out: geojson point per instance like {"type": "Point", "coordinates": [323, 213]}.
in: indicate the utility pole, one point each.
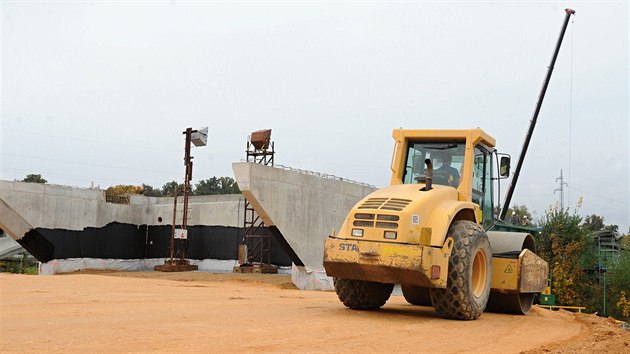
{"type": "Point", "coordinates": [605, 314]}
{"type": "Point", "coordinates": [561, 189]}
{"type": "Point", "coordinates": [177, 261]}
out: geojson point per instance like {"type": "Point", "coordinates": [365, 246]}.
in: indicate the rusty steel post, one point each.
{"type": "Point", "coordinates": [172, 245]}
{"type": "Point", "coordinates": [178, 261]}
{"type": "Point", "coordinates": [187, 179]}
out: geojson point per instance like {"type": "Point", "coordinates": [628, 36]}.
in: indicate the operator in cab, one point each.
{"type": "Point", "coordinates": [446, 174]}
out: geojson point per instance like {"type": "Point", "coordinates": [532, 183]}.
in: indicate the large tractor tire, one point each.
{"type": "Point", "coordinates": [469, 274]}
{"type": "Point", "coordinates": [416, 295]}
{"type": "Point", "coordinates": [362, 295]}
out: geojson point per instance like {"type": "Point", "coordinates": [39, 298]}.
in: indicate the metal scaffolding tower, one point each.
{"type": "Point", "coordinates": [177, 261]}
{"type": "Point", "coordinates": [608, 251]}
{"type": "Point", "coordinates": [255, 252]}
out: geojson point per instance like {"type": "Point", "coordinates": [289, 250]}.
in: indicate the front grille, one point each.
{"type": "Point", "coordinates": [363, 223]}
{"type": "Point", "coordinates": [395, 204]}
{"type": "Point", "coordinates": [383, 221]}
{"type": "Point", "coordinates": [363, 216]}
{"type": "Point", "coordinates": [387, 225]}
{"type": "Point", "coordinates": [373, 203]}
{"type": "Point", "coordinates": [385, 217]}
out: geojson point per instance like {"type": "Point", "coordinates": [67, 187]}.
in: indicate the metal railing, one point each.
{"type": "Point", "coordinates": [558, 307]}
{"type": "Point", "coordinates": [320, 174]}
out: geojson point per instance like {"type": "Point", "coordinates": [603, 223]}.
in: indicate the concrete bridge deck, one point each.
{"type": "Point", "coordinates": [9, 247]}
{"type": "Point", "coordinates": [303, 206]}
{"type": "Point", "coordinates": [34, 215]}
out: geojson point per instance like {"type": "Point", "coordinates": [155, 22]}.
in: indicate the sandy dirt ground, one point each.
{"type": "Point", "coordinates": [240, 313]}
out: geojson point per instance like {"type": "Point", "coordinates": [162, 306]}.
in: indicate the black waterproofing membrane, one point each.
{"type": "Point", "coordinates": [127, 241]}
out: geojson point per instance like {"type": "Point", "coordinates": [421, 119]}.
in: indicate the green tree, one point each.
{"type": "Point", "coordinates": [619, 282]}
{"type": "Point", "coordinates": [217, 185]}
{"type": "Point", "coordinates": [207, 186]}
{"type": "Point", "coordinates": [228, 186]}
{"type": "Point", "coordinates": [613, 228]}
{"type": "Point", "coordinates": [520, 215]}
{"type": "Point", "coordinates": [149, 191]}
{"type": "Point", "coordinates": [168, 189]}
{"type": "Point", "coordinates": [33, 178]}
{"type": "Point", "coordinates": [623, 305]}
{"type": "Point", "coordinates": [609, 274]}
{"type": "Point", "coordinates": [568, 249]}
{"type": "Point", "coordinates": [123, 189]}
{"type": "Point", "coordinates": [119, 194]}
{"type": "Point", "coordinates": [593, 223]}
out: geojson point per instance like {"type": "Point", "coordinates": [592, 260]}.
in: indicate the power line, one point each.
{"type": "Point", "coordinates": [65, 138]}
{"type": "Point", "coordinates": [110, 143]}
{"type": "Point", "coordinates": [598, 196]}
{"type": "Point", "coordinates": [65, 176]}
{"type": "Point", "coordinates": [571, 103]}
{"type": "Point", "coordinates": [88, 164]}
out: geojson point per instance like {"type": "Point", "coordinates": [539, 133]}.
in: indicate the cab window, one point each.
{"type": "Point", "coordinates": [482, 183]}
{"type": "Point", "coordinates": [447, 159]}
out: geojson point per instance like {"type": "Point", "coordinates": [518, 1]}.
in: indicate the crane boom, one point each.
{"type": "Point", "coordinates": [532, 125]}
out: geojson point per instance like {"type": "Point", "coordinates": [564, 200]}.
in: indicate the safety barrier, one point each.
{"type": "Point", "coordinates": [319, 174]}
{"type": "Point", "coordinates": [573, 308]}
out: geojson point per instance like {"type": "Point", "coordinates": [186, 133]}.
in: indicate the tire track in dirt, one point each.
{"type": "Point", "coordinates": [203, 312]}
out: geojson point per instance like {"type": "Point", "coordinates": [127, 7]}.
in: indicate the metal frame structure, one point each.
{"type": "Point", "coordinates": [177, 261]}
{"type": "Point", "coordinates": [608, 252]}
{"type": "Point", "coordinates": [256, 257]}
{"type": "Point", "coordinates": [262, 156]}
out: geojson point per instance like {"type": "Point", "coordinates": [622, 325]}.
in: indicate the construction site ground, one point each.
{"type": "Point", "coordinates": [97, 311]}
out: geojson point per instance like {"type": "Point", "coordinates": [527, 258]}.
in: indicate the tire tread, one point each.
{"type": "Point", "coordinates": [362, 295]}
{"type": "Point", "coordinates": [457, 300]}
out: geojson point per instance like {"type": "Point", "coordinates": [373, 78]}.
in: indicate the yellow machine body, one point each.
{"type": "Point", "coordinates": [525, 274]}
{"type": "Point", "coordinates": [365, 247]}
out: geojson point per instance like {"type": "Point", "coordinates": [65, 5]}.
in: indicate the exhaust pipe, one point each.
{"type": "Point", "coordinates": [429, 183]}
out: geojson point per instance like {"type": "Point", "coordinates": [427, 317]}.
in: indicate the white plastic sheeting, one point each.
{"type": "Point", "coordinates": [317, 280]}
{"type": "Point", "coordinates": [129, 265]}
{"type": "Point", "coordinates": [305, 278]}
{"type": "Point", "coordinates": [134, 265]}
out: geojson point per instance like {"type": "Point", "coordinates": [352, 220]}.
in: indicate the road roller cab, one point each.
{"type": "Point", "coordinates": [430, 232]}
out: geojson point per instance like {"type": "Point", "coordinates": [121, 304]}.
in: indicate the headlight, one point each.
{"type": "Point", "coordinates": [357, 232]}
{"type": "Point", "coordinates": [390, 235]}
